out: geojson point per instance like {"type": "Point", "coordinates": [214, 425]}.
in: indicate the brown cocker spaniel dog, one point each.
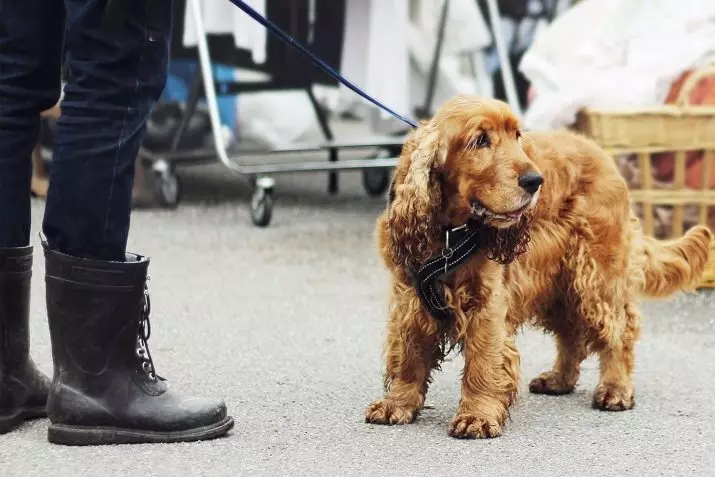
{"type": "Point", "coordinates": [561, 250]}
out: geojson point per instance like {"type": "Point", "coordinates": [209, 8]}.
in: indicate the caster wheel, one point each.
{"type": "Point", "coordinates": [167, 189]}
{"type": "Point", "coordinates": [376, 181]}
{"type": "Point", "coordinates": [262, 206]}
{"type": "Point", "coordinates": [394, 151]}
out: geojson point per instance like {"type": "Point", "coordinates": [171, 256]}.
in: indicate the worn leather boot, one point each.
{"type": "Point", "coordinates": [23, 389]}
{"type": "Point", "coordinates": [105, 389]}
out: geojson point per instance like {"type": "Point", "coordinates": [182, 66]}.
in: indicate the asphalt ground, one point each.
{"type": "Point", "coordinates": [286, 324]}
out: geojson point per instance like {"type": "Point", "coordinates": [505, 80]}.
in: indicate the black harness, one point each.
{"type": "Point", "coordinates": [460, 244]}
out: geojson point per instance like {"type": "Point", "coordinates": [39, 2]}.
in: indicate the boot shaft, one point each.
{"type": "Point", "coordinates": [94, 311]}
{"type": "Point", "coordinates": [15, 277]}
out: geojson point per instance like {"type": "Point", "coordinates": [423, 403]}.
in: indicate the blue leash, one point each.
{"type": "Point", "coordinates": [273, 28]}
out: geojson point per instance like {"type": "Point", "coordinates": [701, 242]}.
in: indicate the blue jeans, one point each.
{"type": "Point", "coordinates": [115, 78]}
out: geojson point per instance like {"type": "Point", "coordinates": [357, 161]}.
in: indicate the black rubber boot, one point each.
{"type": "Point", "coordinates": [23, 389]}
{"type": "Point", "coordinates": [105, 389]}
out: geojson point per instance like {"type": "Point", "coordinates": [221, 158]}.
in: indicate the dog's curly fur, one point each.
{"type": "Point", "coordinates": [574, 265]}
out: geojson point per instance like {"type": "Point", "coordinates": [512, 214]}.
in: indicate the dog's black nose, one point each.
{"type": "Point", "coordinates": [530, 182]}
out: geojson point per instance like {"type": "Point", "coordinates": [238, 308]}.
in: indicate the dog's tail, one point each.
{"type": "Point", "coordinates": [670, 266]}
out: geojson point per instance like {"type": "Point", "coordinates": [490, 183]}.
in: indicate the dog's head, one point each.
{"type": "Point", "coordinates": [467, 162]}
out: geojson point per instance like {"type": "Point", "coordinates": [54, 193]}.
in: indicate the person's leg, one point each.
{"type": "Point", "coordinates": [30, 62]}
{"type": "Point", "coordinates": [30, 57]}
{"type": "Point", "coordinates": [114, 81]}
{"type": "Point", "coordinates": [105, 389]}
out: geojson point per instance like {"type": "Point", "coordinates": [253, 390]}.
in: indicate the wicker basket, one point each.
{"type": "Point", "coordinates": [677, 128]}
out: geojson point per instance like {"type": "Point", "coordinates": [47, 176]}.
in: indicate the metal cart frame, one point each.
{"type": "Point", "coordinates": [375, 170]}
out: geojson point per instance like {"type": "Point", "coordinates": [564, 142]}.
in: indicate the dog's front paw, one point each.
{"type": "Point", "coordinates": [385, 411]}
{"type": "Point", "coordinates": [550, 382]}
{"type": "Point", "coordinates": [611, 397]}
{"type": "Point", "coordinates": [474, 426]}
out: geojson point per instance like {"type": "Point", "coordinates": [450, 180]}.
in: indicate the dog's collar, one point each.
{"type": "Point", "coordinates": [460, 243]}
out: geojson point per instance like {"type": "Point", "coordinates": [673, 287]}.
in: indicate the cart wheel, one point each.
{"type": "Point", "coordinates": [375, 181]}
{"type": "Point", "coordinates": [167, 188]}
{"type": "Point", "coordinates": [262, 206]}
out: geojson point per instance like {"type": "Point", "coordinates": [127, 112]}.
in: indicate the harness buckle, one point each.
{"type": "Point", "coordinates": [447, 251]}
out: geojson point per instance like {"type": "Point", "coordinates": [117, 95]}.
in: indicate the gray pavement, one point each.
{"type": "Point", "coordinates": [286, 324]}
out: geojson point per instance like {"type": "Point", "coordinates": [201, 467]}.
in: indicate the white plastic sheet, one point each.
{"type": "Point", "coordinates": [615, 53]}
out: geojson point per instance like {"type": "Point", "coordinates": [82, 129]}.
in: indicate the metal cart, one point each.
{"type": "Point", "coordinates": [375, 169]}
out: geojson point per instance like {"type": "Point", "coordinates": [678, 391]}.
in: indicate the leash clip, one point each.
{"type": "Point", "coordinates": [447, 251]}
{"type": "Point", "coordinates": [447, 254]}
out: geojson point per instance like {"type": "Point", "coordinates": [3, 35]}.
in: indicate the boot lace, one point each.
{"type": "Point", "coordinates": [146, 363]}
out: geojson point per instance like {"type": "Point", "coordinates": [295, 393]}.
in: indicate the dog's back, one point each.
{"type": "Point", "coordinates": [584, 186]}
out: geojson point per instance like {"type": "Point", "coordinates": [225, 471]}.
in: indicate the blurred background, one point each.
{"type": "Point", "coordinates": [637, 76]}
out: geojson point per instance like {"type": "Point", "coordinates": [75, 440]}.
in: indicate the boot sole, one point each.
{"type": "Point", "coordinates": [94, 436]}
{"type": "Point", "coordinates": [10, 422]}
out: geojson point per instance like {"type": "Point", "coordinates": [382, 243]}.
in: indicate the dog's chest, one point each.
{"type": "Point", "coordinates": [471, 286]}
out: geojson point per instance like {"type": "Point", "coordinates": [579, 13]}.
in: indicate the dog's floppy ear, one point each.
{"type": "Point", "coordinates": [415, 197]}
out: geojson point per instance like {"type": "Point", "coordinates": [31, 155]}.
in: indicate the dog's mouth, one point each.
{"type": "Point", "coordinates": [480, 211]}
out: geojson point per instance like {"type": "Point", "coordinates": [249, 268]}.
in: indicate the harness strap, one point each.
{"type": "Point", "coordinates": [460, 244]}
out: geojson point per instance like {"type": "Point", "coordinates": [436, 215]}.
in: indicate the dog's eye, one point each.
{"type": "Point", "coordinates": [518, 134]}
{"type": "Point", "coordinates": [483, 140]}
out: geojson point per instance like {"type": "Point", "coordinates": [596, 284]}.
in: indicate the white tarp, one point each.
{"type": "Point", "coordinates": [615, 53]}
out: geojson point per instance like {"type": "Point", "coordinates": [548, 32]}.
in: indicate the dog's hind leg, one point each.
{"type": "Point", "coordinates": [611, 320]}
{"type": "Point", "coordinates": [571, 351]}
{"type": "Point", "coordinates": [615, 389]}
{"type": "Point", "coordinates": [411, 352]}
